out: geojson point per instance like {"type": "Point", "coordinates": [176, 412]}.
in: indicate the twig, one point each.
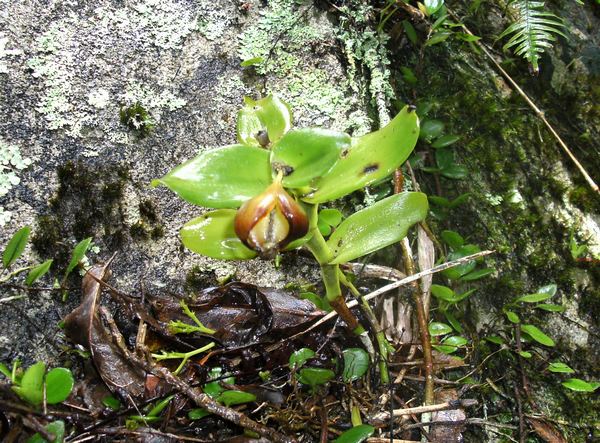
{"type": "Point", "coordinates": [32, 423]}
{"type": "Point", "coordinates": [374, 271]}
{"type": "Point", "coordinates": [533, 106]}
{"type": "Point", "coordinates": [454, 404]}
{"type": "Point", "coordinates": [395, 285]}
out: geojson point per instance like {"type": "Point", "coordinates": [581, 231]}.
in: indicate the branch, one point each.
{"type": "Point", "coordinates": [448, 405]}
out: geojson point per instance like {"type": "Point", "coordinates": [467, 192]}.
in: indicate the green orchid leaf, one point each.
{"type": "Point", "coordinates": [357, 434]}
{"type": "Point", "coordinates": [232, 398]}
{"type": "Point", "coordinates": [269, 115]}
{"type": "Point", "coordinates": [533, 298]}
{"type": "Point", "coordinates": [59, 384]}
{"type": "Point", "coordinates": [77, 255]}
{"type": "Point", "coordinates": [512, 317]}
{"type": "Point", "coordinates": [15, 246]}
{"type": "Point", "coordinates": [548, 289]}
{"type": "Point", "coordinates": [445, 140]}
{"type": "Point", "coordinates": [453, 239]}
{"type": "Point", "coordinates": [315, 376]}
{"type": "Point", "coordinates": [378, 226]}
{"type": "Point", "coordinates": [445, 349]}
{"type": "Point", "coordinates": [560, 367]}
{"type": "Point", "coordinates": [213, 235]}
{"type": "Point", "coordinates": [431, 129]}
{"type": "Point", "coordinates": [356, 364]}
{"type": "Point", "coordinates": [535, 333]}
{"type": "Point", "coordinates": [301, 356]}
{"type": "Point", "coordinates": [455, 172]}
{"type": "Point", "coordinates": [370, 158]}
{"type": "Point", "coordinates": [455, 340]}
{"type": "Point", "coordinates": [214, 388]}
{"type": "Point", "coordinates": [38, 272]}
{"type": "Point", "coordinates": [443, 293]}
{"type": "Point", "coordinates": [306, 154]}
{"type": "Point", "coordinates": [550, 307]}
{"type": "Point", "coordinates": [198, 413]}
{"type": "Point", "coordinates": [332, 217]}
{"type": "Point", "coordinates": [576, 384]}
{"type": "Point", "coordinates": [31, 388]}
{"type": "Point", "coordinates": [436, 329]}
{"type": "Point", "coordinates": [476, 275]}
{"type": "Point", "coordinates": [458, 271]}
{"type": "Point", "coordinates": [221, 178]}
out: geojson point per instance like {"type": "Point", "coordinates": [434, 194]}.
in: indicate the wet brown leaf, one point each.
{"type": "Point", "coordinates": [547, 431]}
{"type": "Point", "coordinates": [84, 326]}
{"type": "Point", "coordinates": [240, 313]}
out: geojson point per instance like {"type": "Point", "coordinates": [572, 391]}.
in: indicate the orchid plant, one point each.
{"type": "Point", "coordinates": [267, 188]}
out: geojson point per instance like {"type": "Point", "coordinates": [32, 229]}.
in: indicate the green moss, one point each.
{"type": "Point", "coordinates": [149, 226]}
{"type": "Point", "coordinates": [585, 199]}
{"type": "Point", "coordinates": [87, 203]}
{"type": "Point", "coordinates": [198, 279]}
{"type": "Point", "coordinates": [137, 119]}
{"type": "Point", "coordinates": [148, 210]}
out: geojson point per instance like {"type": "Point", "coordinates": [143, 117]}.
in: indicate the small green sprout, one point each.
{"type": "Point", "coordinates": [179, 327]}
{"type": "Point", "coordinates": [184, 356]}
{"type": "Point", "coordinates": [35, 385]}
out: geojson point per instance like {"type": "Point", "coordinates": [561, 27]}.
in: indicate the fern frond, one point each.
{"type": "Point", "coordinates": [533, 30]}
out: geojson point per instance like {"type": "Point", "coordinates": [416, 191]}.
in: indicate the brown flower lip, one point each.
{"type": "Point", "coordinates": [270, 221]}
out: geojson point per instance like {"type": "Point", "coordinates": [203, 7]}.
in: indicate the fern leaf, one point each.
{"type": "Point", "coordinates": [533, 31]}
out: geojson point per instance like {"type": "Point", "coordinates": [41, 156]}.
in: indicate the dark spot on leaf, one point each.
{"type": "Point", "coordinates": [285, 169]}
{"type": "Point", "coordinates": [263, 138]}
{"type": "Point", "coordinates": [371, 168]}
{"type": "Point", "coordinates": [345, 153]}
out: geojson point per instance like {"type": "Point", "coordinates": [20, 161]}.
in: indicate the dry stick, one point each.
{"type": "Point", "coordinates": [448, 405]}
{"type": "Point", "coordinates": [32, 423]}
{"type": "Point", "coordinates": [422, 321]}
{"type": "Point", "coordinates": [395, 285]}
{"type": "Point", "coordinates": [200, 398]}
{"type": "Point", "coordinates": [417, 295]}
{"type": "Point", "coordinates": [533, 106]}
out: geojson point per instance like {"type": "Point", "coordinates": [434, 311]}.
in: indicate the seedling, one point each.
{"type": "Point", "coordinates": [35, 386]}
{"type": "Point", "coordinates": [266, 191]}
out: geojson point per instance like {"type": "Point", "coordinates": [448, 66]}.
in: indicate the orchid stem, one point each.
{"type": "Point", "coordinates": [330, 274]}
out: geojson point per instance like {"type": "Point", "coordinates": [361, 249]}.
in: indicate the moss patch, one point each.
{"type": "Point", "coordinates": [87, 204]}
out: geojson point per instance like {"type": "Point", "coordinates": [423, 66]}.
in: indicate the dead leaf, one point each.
{"type": "Point", "coordinates": [240, 313]}
{"type": "Point", "coordinates": [84, 326]}
{"type": "Point", "coordinates": [547, 431]}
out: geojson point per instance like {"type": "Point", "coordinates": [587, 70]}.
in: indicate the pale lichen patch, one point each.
{"type": "Point", "coordinates": [11, 162]}
{"type": "Point", "coordinates": [162, 23]}
{"type": "Point", "coordinates": [5, 53]}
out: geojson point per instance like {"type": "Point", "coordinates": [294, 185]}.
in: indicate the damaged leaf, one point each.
{"type": "Point", "coordinates": [85, 327]}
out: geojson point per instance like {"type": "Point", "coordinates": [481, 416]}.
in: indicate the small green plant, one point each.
{"type": "Point", "coordinates": [137, 118]}
{"type": "Point", "coordinates": [228, 397]}
{"type": "Point", "coordinates": [37, 386]}
{"type": "Point", "coordinates": [267, 190]}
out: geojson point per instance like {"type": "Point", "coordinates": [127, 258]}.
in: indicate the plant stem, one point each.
{"type": "Point", "coordinates": [382, 342]}
{"type": "Point", "coordinates": [14, 273]}
{"type": "Point", "coordinates": [330, 274]}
